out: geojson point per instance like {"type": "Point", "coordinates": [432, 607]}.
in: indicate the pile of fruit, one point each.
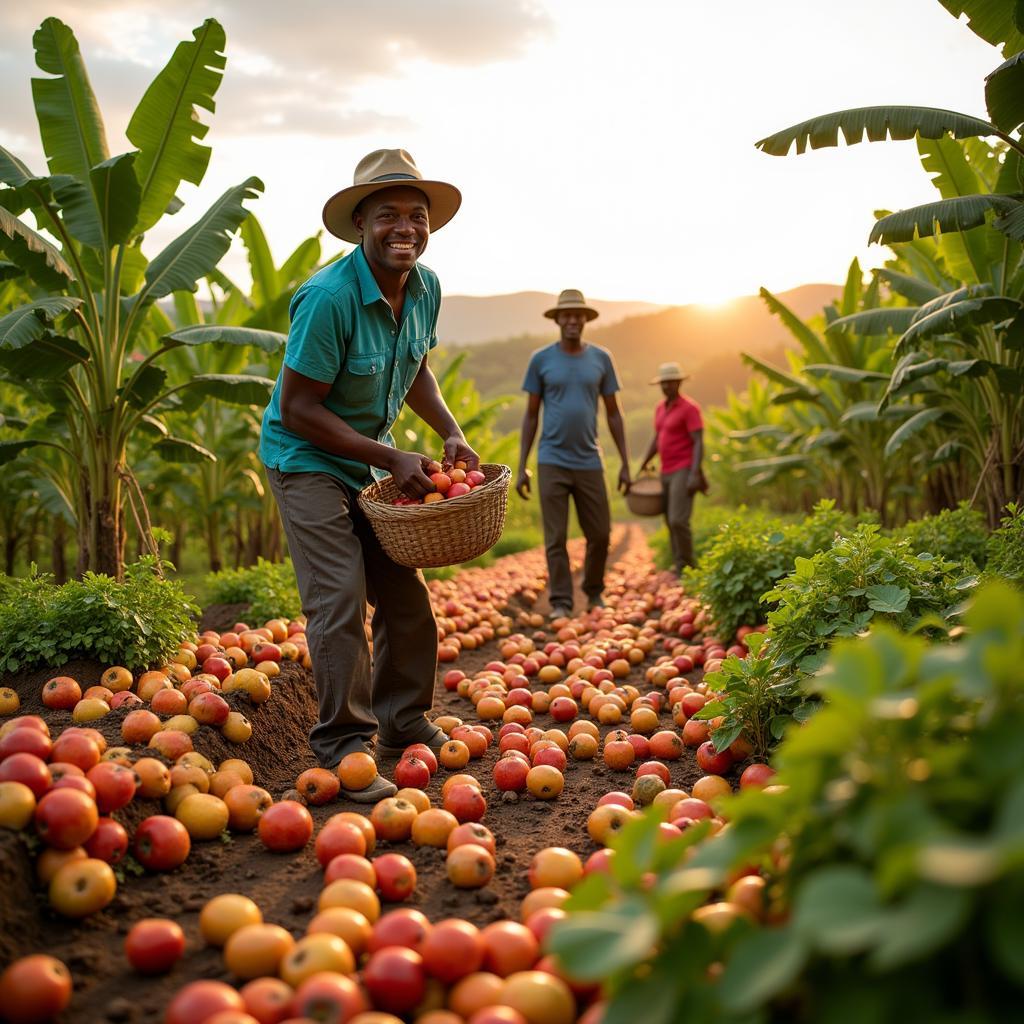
{"type": "Point", "coordinates": [449, 482]}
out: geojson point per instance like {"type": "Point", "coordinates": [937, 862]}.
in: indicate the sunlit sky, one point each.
{"type": "Point", "coordinates": [599, 144]}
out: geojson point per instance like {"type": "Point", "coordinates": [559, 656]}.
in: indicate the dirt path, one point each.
{"type": "Point", "coordinates": [286, 886]}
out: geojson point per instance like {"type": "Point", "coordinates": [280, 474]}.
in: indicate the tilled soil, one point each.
{"type": "Point", "coordinates": [285, 886]}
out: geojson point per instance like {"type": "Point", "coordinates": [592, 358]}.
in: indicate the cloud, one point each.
{"type": "Point", "coordinates": [291, 66]}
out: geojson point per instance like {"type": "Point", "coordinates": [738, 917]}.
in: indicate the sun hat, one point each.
{"type": "Point", "coordinates": [669, 371]}
{"type": "Point", "coordinates": [386, 168]}
{"type": "Point", "coordinates": [571, 298]}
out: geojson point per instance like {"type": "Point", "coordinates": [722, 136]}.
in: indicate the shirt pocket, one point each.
{"type": "Point", "coordinates": [417, 350]}
{"type": "Point", "coordinates": [362, 379]}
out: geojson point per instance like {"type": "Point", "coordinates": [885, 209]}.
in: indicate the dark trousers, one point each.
{"type": "Point", "coordinates": [340, 565]}
{"type": "Point", "coordinates": [678, 506]}
{"type": "Point", "coordinates": [587, 489]}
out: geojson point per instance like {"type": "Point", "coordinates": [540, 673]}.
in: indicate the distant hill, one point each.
{"type": "Point", "coordinates": [706, 340]}
{"type": "Point", "coordinates": [472, 319]}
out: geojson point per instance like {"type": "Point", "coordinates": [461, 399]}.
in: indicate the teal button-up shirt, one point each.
{"type": "Point", "coordinates": [344, 333]}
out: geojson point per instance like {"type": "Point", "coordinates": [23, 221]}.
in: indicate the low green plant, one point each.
{"type": "Point", "coordinates": [756, 700]}
{"type": "Point", "coordinates": [749, 553]}
{"type": "Point", "coordinates": [892, 851]}
{"type": "Point", "coordinates": [859, 581]}
{"type": "Point", "coordinates": [1004, 551]}
{"type": "Point", "coordinates": [957, 534]}
{"type": "Point", "coordinates": [269, 588]}
{"type": "Point", "coordinates": [135, 623]}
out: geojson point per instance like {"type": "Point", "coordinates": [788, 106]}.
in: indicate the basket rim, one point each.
{"type": "Point", "coordinates": [372, 505]}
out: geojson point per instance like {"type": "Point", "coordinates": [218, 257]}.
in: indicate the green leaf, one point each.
{"type": "Point", "coordinates": [178, 449]}
{"type": "Point", "coordinates": [809, 340]}
{"type": "Point", "coordinates": [959, 316]}
{"type": "Point", "coordinates": [888, 598]}
{"type": "Point", "coordinates": [1005, 927]}
{"type": "Point", "coordinates": [946, 215]}
{"type": "Point", "coordinates": [762, 966]}
{"type": "Point", "coordinates": [143, 386]}
{"type": "Point", "coordinates": [166, 125]}
{"type": "Point", "coordinates": [906, 430]}
{"type": "Point", "coordinates": [1004, 93]}
{"type": "Point", "coordinates": [847, 374]}
{"type": "Point", "coordinates": [33, 254]}
{"type": "Point", "coordinates": [923, 922]}
{"type": "Point", "coordinates": [197, 252]}
{"type": "Point", "coordinates": [235, 388]}
{"type": "Point", "coordinates": [594, 944]}
{"type": "Point", "coordinates": [12, 449]}
{"type": "Point", "coordinates": [265, 286]}
{"type": "Point", "coordinates": [878, 123]}
{"type": "Point", "coordinates": [31, 321]}
{"type": "Point", "coordinates": [46, 358]}
{"type": "Point", "coordinates": [999, 22]}
{"type": "Point", "coordinates": [117, 198]}
{"type": "Point", "coordinates": [874, 322]}
{"type": "Point", "coordinates": [204, 334]}
{"type": "Point", "coordinates": [837, 910]}
{"type": "Point", "coordinates": [914, 289]}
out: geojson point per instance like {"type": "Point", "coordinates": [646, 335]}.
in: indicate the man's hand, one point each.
{"type": "Point", "coordinates": [624, 480]}
{"type": "Point", "coordinates": [456, 449]}
{"type": "Point", "coordinates": [409, 472]}
{"type": "Point", "coordinates": [523, 483]}
{"type": "Point", "coordinates": [693, 481]}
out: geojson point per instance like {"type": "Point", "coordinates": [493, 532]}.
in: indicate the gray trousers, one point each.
{"type": "Point", "coordinates": [678, 506]}
{"type": "Point", "coordinates": [587, 489]}
{"type": "Point", "coordinates": [340, 565]}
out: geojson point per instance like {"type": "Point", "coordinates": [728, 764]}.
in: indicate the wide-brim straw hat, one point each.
{"type": "Point", "coordinates": [669, 371]}
{"type": "Point", "coordinates": [571, 298]}
{"type": "Point", "coordinates": [388, 168]}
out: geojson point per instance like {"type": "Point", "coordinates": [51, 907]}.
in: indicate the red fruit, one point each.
{"type": "Point", "coordinates": [115, 785]}
{"type": "Point", "coordinates": [34, 989]}
{"type": "Point", "coordinates": [77, 749]}
{"type": "Point", "coordinates": [395, 978]}
{"type": "Point", "coordinates": [26, 741]}
{"type": "Point", "coordinates": [318, 786]}
{"type": "Point", "coordinates": [66, 818]}
{"type": "Point", "coordinates": [200, 1000]}
{"type": "Point", "coordinates": [711, 761]}
{"type": "Point", "coordinates": [217, 666]}
{"type": "Point", "coordinates": [285, 826]}
{"type": "Point", "coordinates": [265, 652]}
{"type": "Point", "coordinates": [154, 945]}
{"type": "Point", "coordinates": [756, 775]}
{"type": "Point", "coordinates": [641, 745]}
{"type": "Point", "coordinates": [109, 842]}
{"type": "Point", "coordinates": [269, 1000]}
{"type": "Point", "coordinates": [209, 708]}
{"type": "Point", "coordinates": [61, 693]}
{"type": "Point", "coordinates": [692, 703]}
{"type": "Point", "coordinates": [540, 921]}
{"type": "Point", "coordinates": [350, 865]}
{"type": "Point", "coordinates": [328, 996]}
{"type": "Point", "coordinates": [396, 876]}
{"type": "Point", "coordinates": [412, 773]}
{"type": "Point", "coordinates": [161, 843]}
{"type": "Point", "coordinates": [655, 768]}
{"type": "Point", "coordinates": [457, 490]}
{"type": "Point", "coordinates": [691, 809]}
{"type": "Point", "coordinates": [336, 838]}
{"type": "Point", "coordinates": [452, 949]}
{"type": "Point", "coordinates": [510, 774]}
{"type": "Point", "coordinates": [466, 802]}
{"type": "Point", "coordinates": [509, 947]}
{"type": "Point", "coordinates": [563, 709]}
{"type": "Point", "coordinates": [422, 753]}
{"type": "Point", "coordinates": [28, 769]}
{"type": "Point", "coordinates": [553, 756]}
{"type": "Point", "coordinates": [617, 797]}
{"type": "Point", "coordinates": [405, 927]}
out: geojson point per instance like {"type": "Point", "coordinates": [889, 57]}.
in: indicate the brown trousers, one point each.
{"type": "Point", "coordinates": [340, 565]}
{"type": "Point", "coordinates": [678, 506]}
{"type": "Point", "coordinates": [587, 489]}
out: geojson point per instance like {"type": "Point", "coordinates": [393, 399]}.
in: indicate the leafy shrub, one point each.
{"type": "Point", "coordinates": [136, 623]}
{"type": "Point", "coordinates": [269, 588]}
{"type": "Point", "coordinates": [755, 701]}
{"type": "Point", "coordinates": [860, 579]}
{"type": "Point", "coordinates": [893, 856]}
{"type": "Point", "coordinates": [957, 534]}
{"type": "Point", "coordinates": [749, 553]}
{"type": "Point", "coordinates": [1004, 551]}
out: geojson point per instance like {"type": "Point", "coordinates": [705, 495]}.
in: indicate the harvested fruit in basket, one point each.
{"type": "Point", "coordinates": [449, 482]}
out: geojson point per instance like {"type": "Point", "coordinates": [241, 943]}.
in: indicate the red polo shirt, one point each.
{"type": "Point", "coordinates": [673, 424]}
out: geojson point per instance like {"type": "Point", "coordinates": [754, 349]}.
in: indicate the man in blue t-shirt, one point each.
{"type": "Point", "coordinates": [567, 377]}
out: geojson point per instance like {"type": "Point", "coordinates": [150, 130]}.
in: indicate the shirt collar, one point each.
{"type": "Point", "coordinates": [369, 290]}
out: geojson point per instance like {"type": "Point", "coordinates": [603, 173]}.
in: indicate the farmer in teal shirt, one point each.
{"type": "Point", "coordinates": [357, 349]}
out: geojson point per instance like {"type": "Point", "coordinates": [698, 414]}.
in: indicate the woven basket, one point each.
{"type": "Point", "coordinates": [646, 496]}
{"type": "Point", "coordinates": [443, 533]}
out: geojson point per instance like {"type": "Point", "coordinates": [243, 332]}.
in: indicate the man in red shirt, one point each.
{"type": "Point", "coordinates": [679, 444]}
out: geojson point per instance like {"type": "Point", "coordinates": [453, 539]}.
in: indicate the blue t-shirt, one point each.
{"type": "Point", "coordinates": [569, 386]}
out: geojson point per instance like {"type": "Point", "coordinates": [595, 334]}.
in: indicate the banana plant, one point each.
{"type": "Point", "coordinates": [90, 341]}
{"type": "Point", "coordinates": [960, 353]}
